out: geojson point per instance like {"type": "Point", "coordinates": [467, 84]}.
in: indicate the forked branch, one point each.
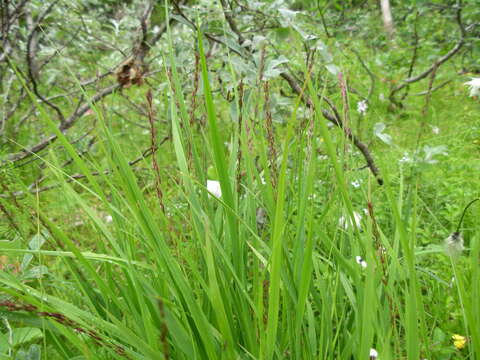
{"type": "Point", "coordinates": [438, 62]}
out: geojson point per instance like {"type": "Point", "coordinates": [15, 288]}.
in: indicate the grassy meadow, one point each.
{"type": "Point", "coordinates": [251, 228]}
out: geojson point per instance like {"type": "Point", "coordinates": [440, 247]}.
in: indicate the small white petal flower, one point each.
{"type": "Point", "coordinates": [213, 186]}
{"type": "Point", "coordinates": [436, 130]}
{"type": "Point", "coordinates": [362, 107]}
{"type": "Point", "coordinates": [474, 85]}
{"type": "Point", "coordinates": [360, 261]}
{"type": "Point", "coordinates": [108, 219]}
{"type": "Point", "coordinates": [373, 354]}
{"type": "Point", "coordinates": [406, 158]}
{"type": "Point", "coordinates": [356, 184]}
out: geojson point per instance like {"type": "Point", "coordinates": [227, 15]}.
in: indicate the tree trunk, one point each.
{"type": "Point", "coordinates": [387, 18]}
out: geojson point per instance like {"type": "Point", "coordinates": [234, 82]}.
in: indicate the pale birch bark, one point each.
{"type": "Point", "coordinates": [387, 18]}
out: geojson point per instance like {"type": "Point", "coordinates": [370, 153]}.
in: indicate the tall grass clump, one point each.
{"type": "Point", "coordinates": [290, 261]}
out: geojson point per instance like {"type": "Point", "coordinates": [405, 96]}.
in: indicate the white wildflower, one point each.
{"type": "Point", "coordinates": [108, 219]}
{"type": "Point", "coordinates": [406, 158]}
{"type": "Point", "coordinates": [360, 261]}
{"type": "Point", "coordinates": [346, 222]}
{"type": "Point", "coordinates": [436, 130]}
{"type": "Point", "coordinates": [362, 107]}
{"type": "Point", "coordinates": [213, 186]}
{"type": "Point", "coordinates": [356, 184]}
{"type": "Point", "coordinates": [454, 244]}
{"type": "Point", "coordinates": [373, 354]}
{"type": "Point", "coordinates": [474, 85]}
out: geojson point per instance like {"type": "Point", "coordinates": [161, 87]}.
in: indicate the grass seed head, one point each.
{"type": "Point", "coordinates": [454, 244]}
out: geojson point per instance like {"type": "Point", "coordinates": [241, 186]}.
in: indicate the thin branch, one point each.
{"type": "Point", "coordinates": [76, 177]}
{"type": "Point", "coordinates": [433, 89]}
{"type": "Point", "coordinates": [335, 119]}
{"type": "Point", "coordinates": [369, 72]}
{"type": "Point", "coordinates": [30, 55]}
{"type": "Point", "coordinates": [322, 17]}
{"type": "Point", "coordinates": [414, 56]}
{"type": "Point", "coordinates": [41, 178]}
{"type": "Point", "coordinates": [437, 63]}
{"type": "Point", "coordinates": [68, 123]}
{"type": "Point", "coordinates": [143, 46]}
{"type": "Point", "coordinates": [231, 22]}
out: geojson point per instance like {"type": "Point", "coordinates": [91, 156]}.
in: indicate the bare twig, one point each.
{"type": "Point", "coordinates": [30, 57]}
{"type": "Point", "coordinates": [143, 46]}
{"type": "Point", "coordinates": [68, 123]}
{"type": "Point", "coordinates": [429, 91]}
{"type": "Point", "coordinates": [414, 57]}
{"type": "Point", "coordinates": [42, 178]}
{"type": "Point", "coordinates": [369, 72]}
{"type": "Point", "coordinates": [76, 177]}
{"type": "Point", "coordinates": [33, 159]}
{"type": "Point", "coordinates": [335, 119]}
{"type": "Point", "coordinates": [231, 22]}
{"type": "Point", "coordinates": [439, 62]}
{"type": "Point", "coordinates": [322, 17]}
